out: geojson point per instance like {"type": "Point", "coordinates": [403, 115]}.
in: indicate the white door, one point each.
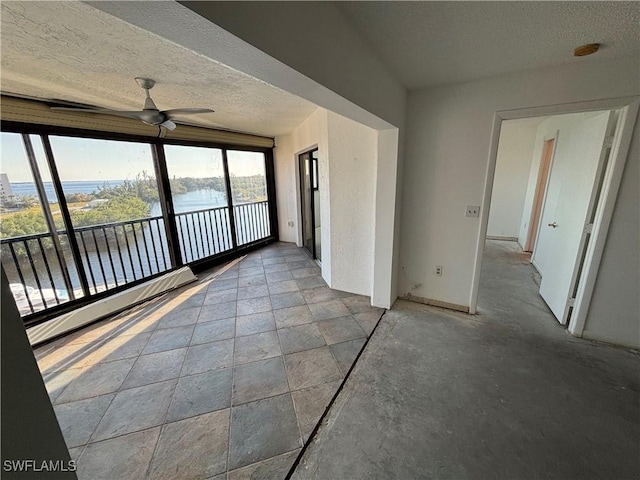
{"type": "Point", "coordinates": [576, 164]}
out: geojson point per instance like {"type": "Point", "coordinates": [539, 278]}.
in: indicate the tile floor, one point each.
{"type": "Point", "coordinates": [223, 378]}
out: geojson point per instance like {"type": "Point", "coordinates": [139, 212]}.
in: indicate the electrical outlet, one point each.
{"type": "Point", "coordinates": [438, 271]}
{"type": "Point", "coordinates": [473, 211]}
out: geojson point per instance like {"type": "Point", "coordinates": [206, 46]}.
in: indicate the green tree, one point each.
{"type": "Point", "coordinates": [116, 209]}
{"type": "Point", "coordinates": [24, 223]}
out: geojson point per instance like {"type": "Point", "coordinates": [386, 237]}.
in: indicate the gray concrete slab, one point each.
{"type": "Point", "coordinates": [505, 394]}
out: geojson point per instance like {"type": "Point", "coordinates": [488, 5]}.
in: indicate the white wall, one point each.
{"type": "Point", "coordinates": [614, 313]}
{"type": "Point", "coordinates": [353, 153]}
{"type": "Point", "coordinates": [347, 153]}
{"type": "Point", "coordinates": [446, 161]}
{"type": "Point", "coordinates": [309, 134]}
{"type": "Point", "coordinates": [545, 131]}
{"type": "Point", "coordinates": [387, 217]}
{"type": "Point", "coordinates": [513, 165]}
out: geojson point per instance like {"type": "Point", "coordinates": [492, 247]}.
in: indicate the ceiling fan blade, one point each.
{"type": "Point", "coordinates": [137, 115]}
{"type": "Point", "coordinates": [168, 124]}
{"type": "Point", "coordinates": [150, 117]}
{"type": "Point", "coordinates": [186, 111]}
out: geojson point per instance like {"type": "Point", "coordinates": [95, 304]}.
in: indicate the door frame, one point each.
{"type": "Point", "coordinates": [542, 182]}
{"type": "Point", "coordinates": [628, 107]}
{"type": "Point", "coordinates": [308, 151]}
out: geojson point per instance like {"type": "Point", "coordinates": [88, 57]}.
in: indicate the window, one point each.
{"type": "Point", "coordinates": [247, 173]}
{"type": "Point", "coordinates": [86, 216]}
{"type": "Point", "coordinates": [199, 194]}
{"type": "Point", "coordinates": [112, 197]}
{"type": "Point", "coordinates": [35, 246]}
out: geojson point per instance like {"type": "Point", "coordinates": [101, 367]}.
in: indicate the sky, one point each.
{"type": "Point", "coordinates": [92, 159]}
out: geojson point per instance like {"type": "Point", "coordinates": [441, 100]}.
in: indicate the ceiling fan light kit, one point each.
{"type": "Point", "coordinates": [150, 114]}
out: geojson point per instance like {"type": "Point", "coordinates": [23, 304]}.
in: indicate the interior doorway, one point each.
{"type": "Point", "coordinates": [549, 179]}
{"type": "Point", "coordinates": [310, 203]}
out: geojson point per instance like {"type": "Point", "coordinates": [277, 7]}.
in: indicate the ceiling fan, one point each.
{"type": "Point", "coordinates": [149, 114]}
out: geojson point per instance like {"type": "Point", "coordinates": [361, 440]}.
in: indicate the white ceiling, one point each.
{"type": "Point", "coordinates": [435, 43]}
{"type": "Point", "coordinates": [72, 51]}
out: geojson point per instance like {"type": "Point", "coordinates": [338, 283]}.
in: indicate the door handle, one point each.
{"type": "Point", "coordinates": [554, 224]}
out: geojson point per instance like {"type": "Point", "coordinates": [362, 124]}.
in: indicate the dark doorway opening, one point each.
{"type": "Point", "coordinates": [310, 203]}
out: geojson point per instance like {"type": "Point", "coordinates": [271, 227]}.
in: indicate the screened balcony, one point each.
{"type": "Point", "coordinates": [88, 215]}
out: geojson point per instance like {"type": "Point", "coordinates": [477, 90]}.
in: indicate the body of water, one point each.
{"type": "Point", "coordinates": [185, 202]}
{"type": "Point", "coordinates": [88, 186]}
{"type": "Point", "coordinates": [200, 235]}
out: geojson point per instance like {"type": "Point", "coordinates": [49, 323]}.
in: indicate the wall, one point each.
{"type": "Point", "coordinates": [614, 313]}
{"type": "Point", "coordinates": [353, 154]}
{"type": "Point", "coordinates": [387, 217]}
{"type": "Point", "coordinates": [513, 166]}
{"type": "Point", "coordinates": [30, 430]}
{"type": "Point", "coordinates": [318, 41]}
{"type": "Point", "coordinates": [347, 153]}
{"type": "Point", "coordinates": [446, 161]}
{"type": "Point", "coordinates": [309, 134]}
{"type": "Point", "coordinates": [548, 129]}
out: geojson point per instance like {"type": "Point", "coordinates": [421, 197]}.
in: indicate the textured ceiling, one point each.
{"type": "Point", "coordinates": [434, 43]}
{"type": "Point", "coordinates": [71, 51]}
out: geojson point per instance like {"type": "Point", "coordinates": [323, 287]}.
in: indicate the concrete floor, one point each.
{"type": "Point", "coordinates": [505, 394]}
{"type": "Point", "coordinates": [223, 378]}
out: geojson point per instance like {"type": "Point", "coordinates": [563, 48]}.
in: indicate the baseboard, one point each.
{"type": "Point", "coordinates": [109, 306]}
{"type": "Point", "coordinates": [435, 303]}
{"type": "Point", "coordinates": [613, 340]}
{"type": "Point", "coordinates": [504, 239]}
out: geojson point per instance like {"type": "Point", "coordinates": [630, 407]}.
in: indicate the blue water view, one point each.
{"type": "Point", "coordinates": [200, 235]}
{"type": "Point", "coordinates": [88, 186]}
{"type": "Point", "coordinates": [185, 202]}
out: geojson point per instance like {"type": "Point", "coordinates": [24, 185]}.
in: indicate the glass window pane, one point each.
{"type": "Point", "coordinates": [247, 172]}
{"type": "Point", "coordinates": [40, 275]}
{"type": "Point", "coordinates": [199, 195]}
{"type": "Point", "coordinates": [112, 195]}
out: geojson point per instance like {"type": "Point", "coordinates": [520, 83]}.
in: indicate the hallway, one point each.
{"type": "Point", "coordinates": [504, 394]}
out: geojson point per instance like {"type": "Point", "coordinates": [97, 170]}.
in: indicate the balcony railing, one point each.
{"type": "Point", "coordinates": [204, 233]}
{"type": "Point", "coordinates": [252, 221]}
{"type": "Point", "coordinates": [36, 271]}
{"type": "Point", "coordinates": [115, 254]}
